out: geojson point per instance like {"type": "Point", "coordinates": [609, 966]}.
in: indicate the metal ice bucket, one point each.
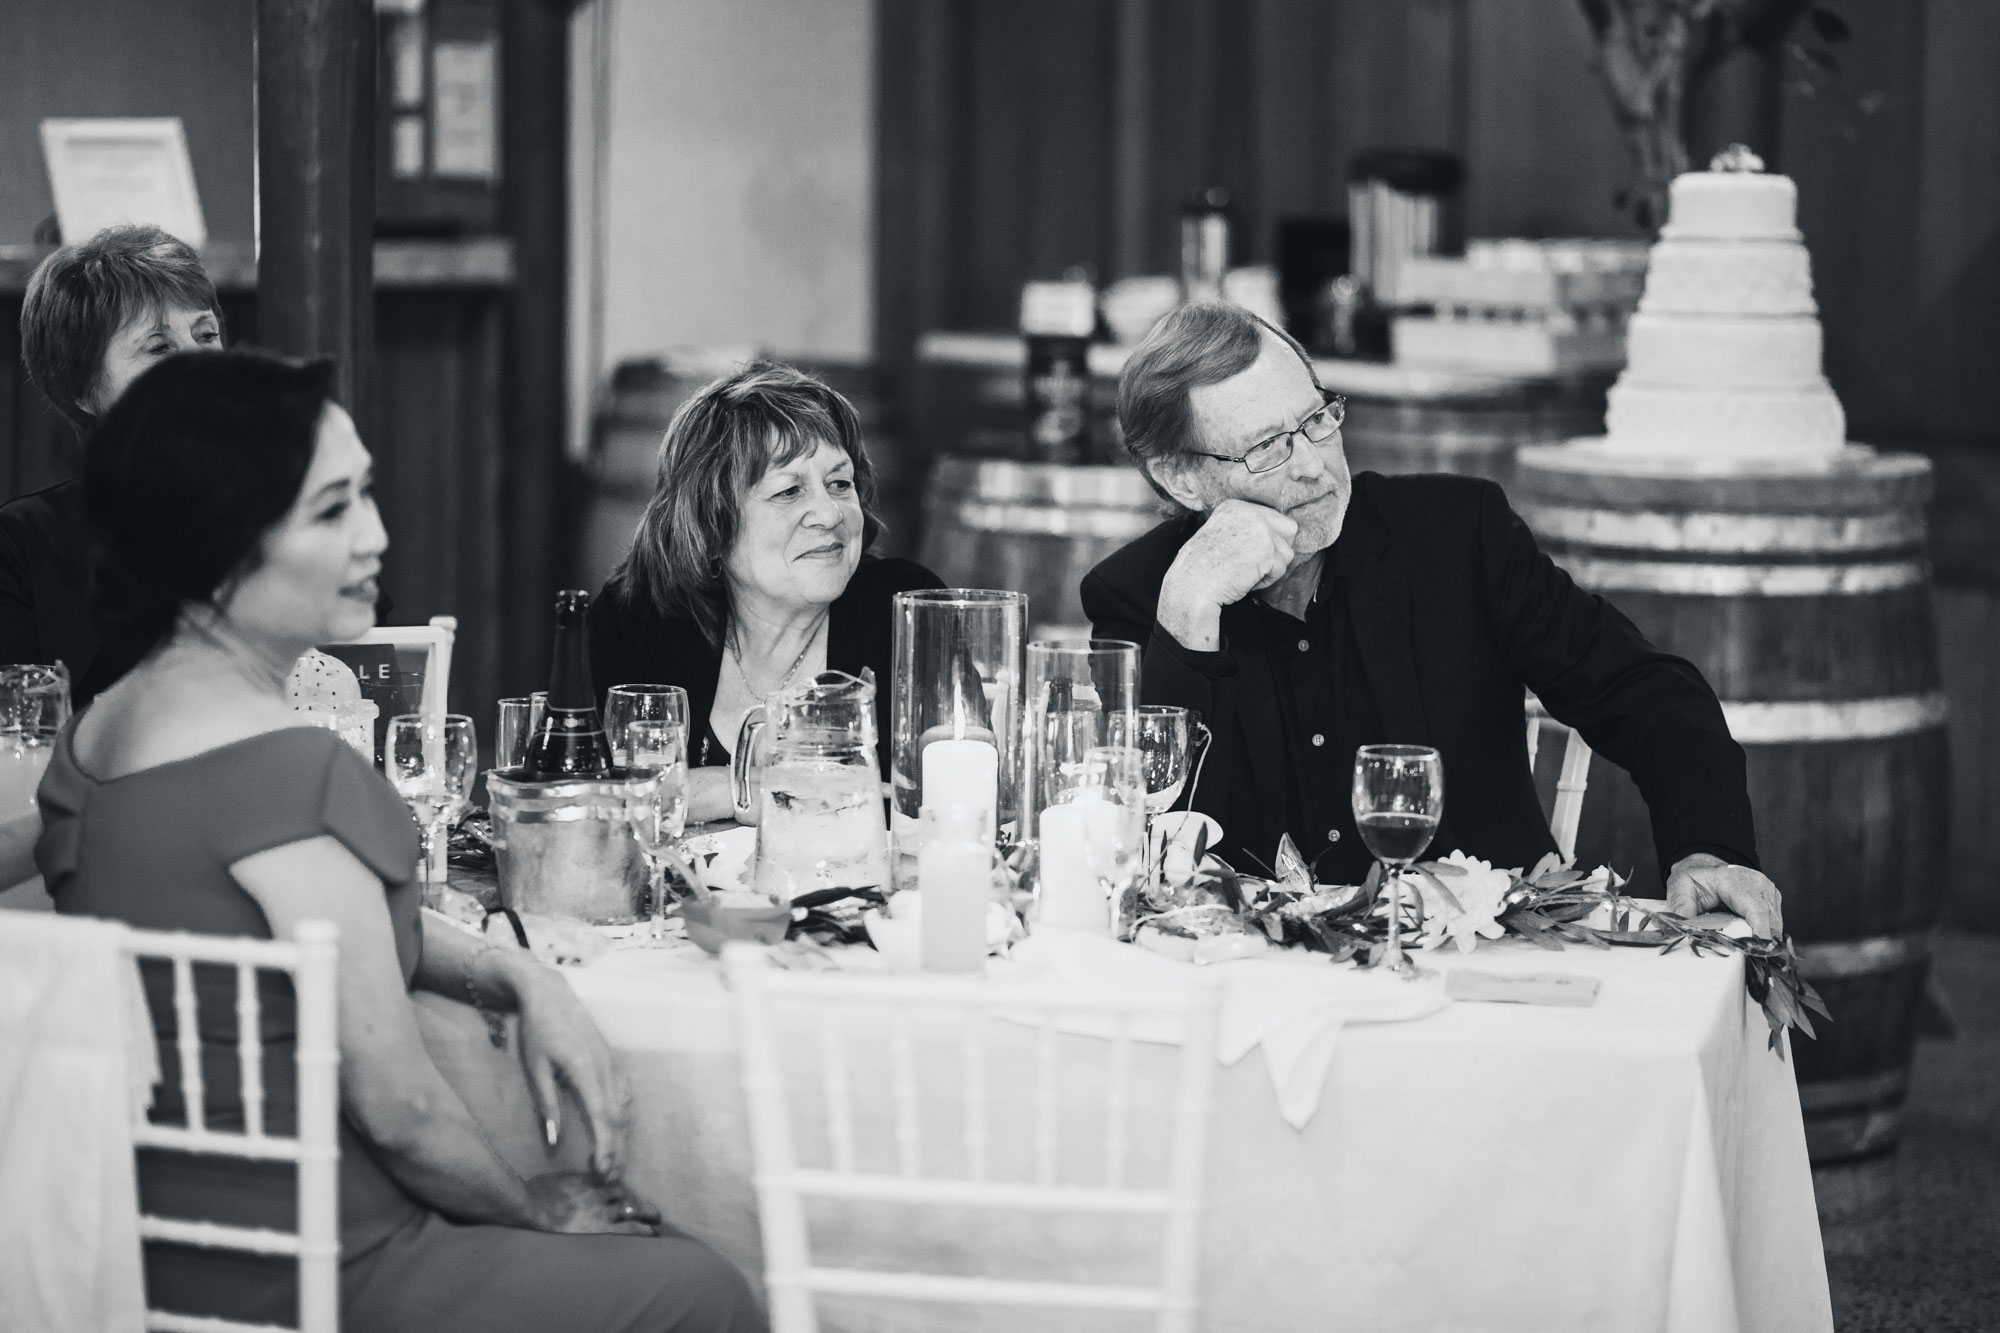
{"type": "Point", "coordinates": [566, 848]}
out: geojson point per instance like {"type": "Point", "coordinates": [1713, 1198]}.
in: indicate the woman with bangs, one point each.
{"type": "Point", "coordinates": [95, 317]}
{"type": "Point", "coordinates": [749, 571]}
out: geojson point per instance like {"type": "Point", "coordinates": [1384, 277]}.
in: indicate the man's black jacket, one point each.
{"type": "Point", "coordinates": [1457, 612]}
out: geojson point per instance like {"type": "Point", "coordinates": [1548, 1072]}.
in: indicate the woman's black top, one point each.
{"type": "Point", "coordinates": [45, 593]}
{"type": "Point", "coordinates": [632, 643]}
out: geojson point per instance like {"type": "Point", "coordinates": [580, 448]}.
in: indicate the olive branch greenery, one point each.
{"type": "Point", "coordinates": [1547, 907]}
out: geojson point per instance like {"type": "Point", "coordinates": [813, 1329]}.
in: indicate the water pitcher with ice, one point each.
{"type": "Point", "coordinates": [819, 807]}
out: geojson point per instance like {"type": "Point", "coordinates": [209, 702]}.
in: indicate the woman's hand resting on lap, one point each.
{"type": "Point", "coordinates": [577, 1203]}
{"type": "Point", "coordinates": [559, 1042]}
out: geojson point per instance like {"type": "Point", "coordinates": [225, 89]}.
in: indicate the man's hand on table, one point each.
{"type": "Point", "coordinates": [1241, 548]}
{"type": "Point", "coordinates": [1702, 883]}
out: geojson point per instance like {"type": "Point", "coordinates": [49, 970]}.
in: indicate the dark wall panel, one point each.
{"type": "Point", "coordinates": [186, 58]}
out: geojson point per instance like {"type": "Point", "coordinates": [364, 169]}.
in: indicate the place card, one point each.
{"type": "Point", "coordinates": [1557, 988]}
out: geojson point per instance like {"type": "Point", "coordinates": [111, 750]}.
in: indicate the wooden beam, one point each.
{"type": "Point", "coordinates": [316, 186]}
{"type": "Point", "coordinates": [534, 194]}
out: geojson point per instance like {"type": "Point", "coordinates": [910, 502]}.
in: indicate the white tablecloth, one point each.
{"type": "Point", "coordinates": [1639, 1164]}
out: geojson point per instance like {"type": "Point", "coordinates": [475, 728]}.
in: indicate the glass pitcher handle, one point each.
{"type": "Point", "coordinates": [739, 765]}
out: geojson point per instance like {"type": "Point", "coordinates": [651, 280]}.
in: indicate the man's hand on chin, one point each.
{"type": "Point", "coordinates": [1702, 883]}
{"type": "Point", "coordinates": [1241, 548]}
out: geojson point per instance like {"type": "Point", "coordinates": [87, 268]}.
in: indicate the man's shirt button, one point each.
{"type": "Point", "coordinates": [1318, 739]}
{"type": "Point", "coordinates": [1305, 645]}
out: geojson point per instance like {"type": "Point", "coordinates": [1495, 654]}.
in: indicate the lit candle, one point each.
{"type": "Point", "coordinates": [1071, 897]}
{"type": "Point", "coordinates": [963, 772]}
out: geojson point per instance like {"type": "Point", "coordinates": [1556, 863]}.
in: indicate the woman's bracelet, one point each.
{"type": "Point", "coordinates": [496, 1022]}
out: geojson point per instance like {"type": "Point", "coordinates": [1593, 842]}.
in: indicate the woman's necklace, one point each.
{"type": "Point", "coordinates": [736, 655]}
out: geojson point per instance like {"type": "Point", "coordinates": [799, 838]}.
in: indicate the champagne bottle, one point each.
{"type": "Point", "coordinates": [570, 743]}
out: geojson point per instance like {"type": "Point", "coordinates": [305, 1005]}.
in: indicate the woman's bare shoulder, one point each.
{"type": "Point", "coordinates": [151, 718]}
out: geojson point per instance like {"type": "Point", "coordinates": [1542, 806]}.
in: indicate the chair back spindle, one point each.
{"type": "Point", "coordinates": [311, 961]}
{"type": "Point", "coordinates": [1571, 783]}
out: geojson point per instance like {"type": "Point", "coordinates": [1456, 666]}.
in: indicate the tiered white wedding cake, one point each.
{"type": "Point", "coordinates": [1722, 358]}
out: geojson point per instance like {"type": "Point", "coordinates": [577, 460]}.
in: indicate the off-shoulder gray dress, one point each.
{"type": "Point", "coordinates": [153, 849]}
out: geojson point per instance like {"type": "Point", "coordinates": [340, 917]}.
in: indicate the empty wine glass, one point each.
{"type": "Point", "coordinates": [658, 815]}
{"type": "Point", "coordinates": [520, 717]}
{"type": "Point", "coordinates": [1168, 739]}
{"type": "Point", "coordinates": [626, 704]}
{"type": "Point", "coordinates": [432, 762]}
{"type": "Point", "coordinates": [1398, 797]}
{"type": "Point", "coordinates": [1093, 840]}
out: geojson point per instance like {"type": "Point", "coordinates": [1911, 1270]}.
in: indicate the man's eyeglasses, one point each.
{"type": "Point", "coordinates": [1271, 454]}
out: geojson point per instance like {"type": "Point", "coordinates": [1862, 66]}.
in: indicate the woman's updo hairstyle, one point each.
{"type": "Point", "coordinates": [188, 471]}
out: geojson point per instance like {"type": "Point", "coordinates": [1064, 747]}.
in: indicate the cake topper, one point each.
{"type": "Point", "coordinates": [1736, 158]}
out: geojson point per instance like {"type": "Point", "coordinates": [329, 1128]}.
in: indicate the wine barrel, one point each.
{"type": "Point", "coordinates": [1031, 527]}
{"type": "Point", "coordinates": [1803, 595]}
{"type": "Point", "coordinates": [1459, 424]}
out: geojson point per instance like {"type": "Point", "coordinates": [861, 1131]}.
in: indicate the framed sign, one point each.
{"type": "Point", "coordinates": [465, 129]}
{"type": "Point", "coordinates": [108, 171]}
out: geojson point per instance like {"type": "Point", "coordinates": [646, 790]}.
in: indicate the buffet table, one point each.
{"type": "Point", "coordinates": [1638, 1164]}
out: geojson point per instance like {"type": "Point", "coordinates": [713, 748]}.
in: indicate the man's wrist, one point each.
{"type": "Point", "coordinates": [1193, 618]}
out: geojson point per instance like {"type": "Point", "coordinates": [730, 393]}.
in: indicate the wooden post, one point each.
{"type": "Point", "coordinates": [316, 186]}
{"type": "Point", "coordinates": [534, 137]}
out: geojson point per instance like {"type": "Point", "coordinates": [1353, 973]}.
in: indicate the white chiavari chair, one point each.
{"type": "Point", "coordinates": [310, 960]}
{"type": "Point", "coordinates": [1570, 783]}
{"type": "Point", "coordinates": [849, 1018]}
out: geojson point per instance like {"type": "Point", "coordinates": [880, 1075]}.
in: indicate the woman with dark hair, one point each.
{"type": "Point", "coordinates": [96, 314]}
{"type": "Point", "coordinates": [748, 572]}
{"type": "Point", "coordinates": [232, 500]}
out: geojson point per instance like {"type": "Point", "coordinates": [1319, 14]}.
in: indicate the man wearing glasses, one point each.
{"type": "Point", "coordinates": [1306, 612]}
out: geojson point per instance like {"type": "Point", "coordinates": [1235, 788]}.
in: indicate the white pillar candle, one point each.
{"type": "Point", "coordinates": [954, 880]}
{"type": "Point", "coordinates": [963, 772]}
{"type": "Point", "coordinates": [1071, 898]}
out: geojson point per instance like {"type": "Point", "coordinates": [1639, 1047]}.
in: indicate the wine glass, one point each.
{"type": "Point", "coordinates": [659, 816]}
{"type": "Point", "coordinates": [1167, 739]}
{"type": "Point", "coordinates": [520, 717]}
{"type": "Point", "coordinates": [1398, 797]}
{"type": "Point", "coordinates": [1093, 839]}
{"type": "Point", "coordinates": [432, 762]}
{"type": "Point", "coordinates": [626, 704]}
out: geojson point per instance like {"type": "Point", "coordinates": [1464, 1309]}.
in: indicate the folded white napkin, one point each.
{"type": "Point", "coordinates": [1295, 1007]}
{"type": "Point", "coordinates": [77, 1064]}
{"type": "Point", "coordinates": [1292, 1005]}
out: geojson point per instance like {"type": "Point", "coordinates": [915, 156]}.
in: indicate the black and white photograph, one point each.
{"type": "Point", "coordinates": [1079, 666]}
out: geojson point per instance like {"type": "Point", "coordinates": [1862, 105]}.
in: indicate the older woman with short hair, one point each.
{"type": "Point", "coordinates": [749, 571]}
{"type": "Point", "coordinates": [96, 315]}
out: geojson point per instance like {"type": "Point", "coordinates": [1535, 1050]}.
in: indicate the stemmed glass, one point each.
{"type": "Point", "coordinates": [658, 817]}
{"type": "Point", "coordinates": [1114, 780]}
{"type": "Point", "coordinates": [1093, 839]}
{"type": "Point", "coordinates": [626, 704]}
{"type": "Point", "coordinates": [520, 718]}
{"type": "Point", "coordinates": [432, 762]}
{"type": "Point", "coordinates": [1398, 798]}
{"type": "Point", "coordinates": [1167, 739]}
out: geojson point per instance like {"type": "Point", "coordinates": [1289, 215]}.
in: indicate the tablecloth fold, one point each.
{"type": "Point", "coordinates": [1292, 1005]}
